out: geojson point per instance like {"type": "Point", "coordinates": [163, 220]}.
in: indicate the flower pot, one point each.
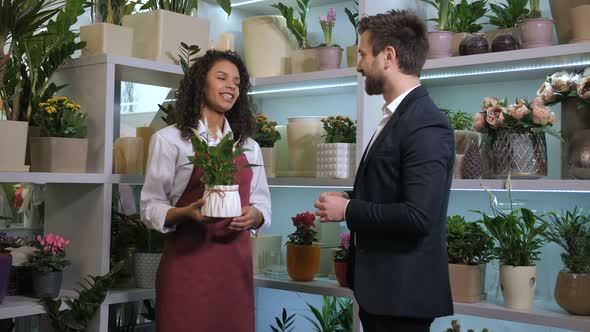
{"type": "Point", "coordinates": [336, 160]}
{"type": "Point", "coordinates": [580, 24]}
{"type": "Point", "coordinates": [458, 168]}
{"type": "Point", "coordinates": [145, 268]}
{"type": "Point", "coordinates": [269, 158]}
{"type": "Point", "coordinates": [342, 273]}
{"type": "Point", "coordinates": [575, 121]}
{"type": "Point", "coordinates": [47, 284]}
{"type": "Point", "coordinates": [128, 155]}
{"type": "Point", "coordinates": [222, 202]}
{"type": "Point", "coordinates": [467, 282]}
{"type": "Point", "coordinates": [303, 261]}
{"type": "Point", "coordinates": [521, 153]}
{"type": "Point", "coordinates": [329, 57]}
{"type": "Point", "coordinates": [458, 37]}
{"type": "Point", "coordinates": [518, 286]}
{"type": "Point", "coordinates": [352, 56]}
{"type": "Point", "coordinates": [261, 60]}
{"type": "Point", "coordinates": [492, 34]}
{"type": "Point", "coordinates": [572, 292]}
{"type": "Point", "coordinates": [441, 44]}
{"type": "Point", "coordinates": [304, 60]}
{"type": "Point", "coordinates": [5, 267]}
{"type": "Point", "coordinates": [34, 131]}
{"type": "Point", "coordinates": [13, 146]}
{"type": "Point", "coordinates": [157, 34]}
{"type": "Point", "coordinates": [564, 21]}
{"type": "Point", "coordinates": [104, 38]}
{"type": "Point", "coordinates": [59, 155]}
{"type": "Point", "coordinates": [303, 134]}
{"type": "Point", "coordinates": [463, 138]}
{"type": "Point", "coordinates": [536, 32]}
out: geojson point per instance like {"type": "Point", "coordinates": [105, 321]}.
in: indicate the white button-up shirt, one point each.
{"type": "Point", "coordinates": [168, 174]}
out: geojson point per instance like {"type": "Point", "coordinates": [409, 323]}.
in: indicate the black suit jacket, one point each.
{"type": "Point", "coordinates": [397, 214]}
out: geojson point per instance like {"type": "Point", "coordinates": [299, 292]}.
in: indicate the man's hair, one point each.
{"type": "Point", "coordinates": [402, 30]}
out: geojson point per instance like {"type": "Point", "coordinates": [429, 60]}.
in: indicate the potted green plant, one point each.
{"type": "Point", "coordinates": [335, 315]}
{"type": "Point", "coordinates": [303, 256]}
{"type": "Point", "coordinates": [506, 17]}
{"type": "Point", "coordinates": [284, 323]}
{"type": "Point", "coordinates": [440, 40]}
{"type": "Point", "coordinates": [149, 245]}
{"type": "Point", "coordinates": [352, 51]}
{"type": "Point", "coordinates": [166, 23]}
{"type": "Point", "coordinates": [109, 36]}
{"type": "Point", "coordinates": [536, 30]}
{"type": "Point", "coordinates": [330, 54]}
{"type": "Point", "coordinates": [341, 260]}
{"type": "Point", "coordinates": [464, 21]}
{"type": "Point", "coordinates": [305, 58]}
{"type": "Point", "coordinates": [48, 263]}
{"type": "Point", "coordinates": [266, 136]}
{"type": "Point", "coordinates": [336, 158]}
{"type": "Point", "coordinates": [571, 231]}
{"type": "Point", "coordinates": [469, 249]}
{"type": "Point", "coordinates": [462, 123]}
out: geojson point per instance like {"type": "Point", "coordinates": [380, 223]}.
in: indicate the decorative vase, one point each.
{"type": "Point", "coordinates": [303, 261]}
{"type": "Point", "coordinates": [329, 57]}
{"type": "Point", "coordinates": [463, 138]}
{"type": "Point", "coordinates": [304, 133]}
{"type": "Point", "coordinates": [128, 155]}
{"type": "Point", "coordinates": [536, 32]}
{"type": "Point", "coordinates": [518, 286]}
{"type": "Point", "coordinates": [222, 202]}
{"type": "Point", "coordinates": [473, 45]}
{"type": "Point", "coordinates": [341, 273]}
{"type": "Point", "coordinates": [505, 42]}
{"type": "Point", "coordinates": [458, 38]}
{"type": "Point", "coordinates": [269, 158]}
{"type": "Point", "coordinates": [104, 38]}
{"type": "Point", "coordinates": [258, 33]}
{"type": "Point", "coordinates": [467, 282]}
{"type": "Point", "coordinates": [521, 153]}
{"type": "Point", "coordinates": [145, 268]}
{"type": "Point", "coordinates": [352, 56]}
{"type": "Point", "coordinates": [5, 267]}
{"type": "Point", "coordinates": [515, 32]}
{"type": "Point", "coordinates": [575, 150]}
{"type": "Point", "coordinates": [304, 60]}
{"type": "Point", "coordinates": [472, 168]}
{"type": "Point", "coordinates": [336, 160]}
{"type": "Point", "coordinates": [13, 146]}
{"type": "Point", "coordinates": [441, 44]}
{"type": "Point", "coordinates": [59, 154]}
{"type": "Point", "coordinates": [578, 155]}
{"type": "Point", "coordinates": [47, 284]}
{"type": "Point", "coordinates": [572, 292]}
{"type": "Point", "coordinates": [580, 24]}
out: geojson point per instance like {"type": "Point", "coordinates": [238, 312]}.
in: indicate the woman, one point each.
{"type": "Point", "coordinates": [205, 278]}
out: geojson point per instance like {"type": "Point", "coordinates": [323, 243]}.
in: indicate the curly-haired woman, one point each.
{"type": "Point", "coordinates": [205, 278]}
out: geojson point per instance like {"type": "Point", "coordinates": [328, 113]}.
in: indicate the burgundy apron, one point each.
{"type": "Point", "coordinates": [205, 279]}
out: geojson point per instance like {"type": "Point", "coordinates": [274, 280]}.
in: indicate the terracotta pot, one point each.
{"type": "Point", "coordinates": [537, 32]}
{"type": "Point", "coordinates": [441, 44]}
{"type": "Point", "coordinates": [352, 56]}
{"type": "Point", "coordinates": [572, 292]}
{"type": "Point", "coordinates": [467, 282]}
{"type": "Point", "coordinates": [561, 11]}
{"type": "Point", "coordinates": [518, 286]}
{"type": "Point", "coordinates": [457, 39]}
{"type": "Point", "coordinates": [59, 154]}
{"type": "Point", "coordinates": [342, 273]}
{"type": "Point", "coordinates": [303, 261]}
{"type": "Point", "coordinates": [329, 57]}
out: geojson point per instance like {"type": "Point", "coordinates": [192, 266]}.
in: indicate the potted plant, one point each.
{"type": "Point", "coordinates": [330, 55]}
{"type": "Point", "coordinates": [571, 231]}
{"type": "Point", "coordinates": [63, 146]}
{"type": "Point", "coordinates": [516, 134]}
{"type": "Point", "coordinates": [336, 158]}
{"type": "Point", "coordinates": [463, 21]}
{"type": "Point", "coordinates": [109, 36]}
{"type": "Point", "coordinates": [461, 122]}
{"type": "Point", "coordinates": [335, 315]}
{"type": "Point", "coordinates": [519, 238]}
{"type": "Point", "coordinates": [352, 51]}
{"type": "Point", "coordinates": [304, 59]}
{"type": "Point", "coordinates": [506, 17]}
{"type": "Point", "coordinates": [284, 323]}
{"type": "Point", "coordinates": [303, 256]}
{"type": "Point", "coordinates": [341, 259]}
{"type": "Point", "coordinates": [537, 31]}
{"type": "Point", "coordinates": [48, 263]}
{"type": "Point", "coordinates": [440, 41]}
{"type": "Point", "coordinates": [469, 248]}
{"type": "Point", "coordinates": [266, 136]}
{"type": "Point", "coordinates": [149, 245]}
{"type": "Point", "coordinates": [166, 23]}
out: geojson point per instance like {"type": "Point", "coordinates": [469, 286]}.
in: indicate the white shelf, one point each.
{"type": "Point", "coordinates": [127, 179]}
{"type": "Point", "coordinates": [319, 286]}
{"type": "Point", "coordinates": [21, 306]}
{"type": "Point", "coordinates": [309, 182]}
{"type": "Point", "coordinates": [34, 177]}
{"type": "Point", "coordinates": [540, 185]}
{"type": "Point", "coordinates": [305, 77]}
{"type": "Point", "coordinates": [129, 295]}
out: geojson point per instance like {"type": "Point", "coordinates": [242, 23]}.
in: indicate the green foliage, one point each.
{"type": "Point", "coordinates": [456, 327]}
{"type": "Point", "coordinates": [266, 134]}
{"type": "Point", "coordinates": [535, 9]}
{"type": "Point", "coordinates": [113, 11]}
{"type": "Point", "coordinates": [459, 120]}
{"type": "Point", "coordinates": [339, 129]}
{"type": "Point", "coordinates": [444, 9]}
{"type": "Point", "coordinates": [571, 231]}
{"type": "Point", "coordinates": [81, 309]}
{"type": "Point", "coordinates": [508, 15]}
{"type": "Point", "coordinates": [467, 242]}
{"type": "Point", "coordinates": [297, 26]}
{"type": "Point", "coordinates": [465, 15]}
{"type": "Point", "coordinates": [48, 263]}
{"type": "Point", "coordinates": [353, 17]}
{"type": "Point", "coordinates": [183, 6]}
{"type": "Point", "coordinates": [285, 323]}
{"type": "Point", "coordinates": [131, 228]}
{"type": "Point", "coordinates": [59, 117]}
{"type": "Point", "coordinates": [335, 316]}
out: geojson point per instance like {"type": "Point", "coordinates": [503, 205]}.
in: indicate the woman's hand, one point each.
{"type": "Point", "coordinates": [251, 218]}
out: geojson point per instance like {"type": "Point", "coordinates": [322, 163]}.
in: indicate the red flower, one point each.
{"type": "Point", "coordinates": [305, 219]}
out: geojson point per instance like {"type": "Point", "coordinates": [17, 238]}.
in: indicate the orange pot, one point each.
{"type": "Point", "coordinates": [303, 261]}
{"type": "Point", "coordinates": [342, 273]}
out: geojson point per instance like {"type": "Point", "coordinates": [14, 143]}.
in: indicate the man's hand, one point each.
{"type": "Point", "coordinates": [331, 206]}
{"type": "Point", "coordinates": [251, 218]}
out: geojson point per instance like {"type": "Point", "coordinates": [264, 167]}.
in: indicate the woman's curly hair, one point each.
{"type": "Point", "coordinates": [190, 97]}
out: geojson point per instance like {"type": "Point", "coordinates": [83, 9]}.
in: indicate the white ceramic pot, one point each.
{"type": "Point", "coordinates": [269, 158]}
{"type": "Point", "coordinates": [104, 38]}
{"type": "Point", "coordinates": [222, 202]}
{"type": "Point", "coordinates": [260, 32]}
{"type": "Point", "coordinates": [145, 268]}
{"type": "Point", "coordinates": [518, 286]}
{"type": "Point", "coordinates": [13, 146]}
{"type": "Point", "coordinates": [336, 160]}
{"type": "Point", "coordinates": [304, 133]}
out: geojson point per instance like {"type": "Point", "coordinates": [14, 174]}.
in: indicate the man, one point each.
{"type": "Point", "coordinates": [397, 210]}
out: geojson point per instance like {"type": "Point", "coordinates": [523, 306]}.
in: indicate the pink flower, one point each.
{"type": "Point", "coordinates": [584, 88]}
{"type": "Point", "coordinates": [537, 102]}
{"type": "Point", "coordinates": [478, 122]}
{"type": "Point", "coordinates": [541, 115]}
{"type": "Point", "coordinates": [488, 102]}
{"type": "Point", "coordinates": [519, 112]}
{"type": "Point", "coordinates": [546, 93]}
{"type": "Point", "coordinates": [345, 240]}
{"type": "Point", "coordinates": [552, 118]}
{"type": "Point", "coordinates": [495, 116]}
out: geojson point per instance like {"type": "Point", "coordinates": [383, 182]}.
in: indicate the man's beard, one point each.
{"type": "Point", "coordinates": [374, 86]}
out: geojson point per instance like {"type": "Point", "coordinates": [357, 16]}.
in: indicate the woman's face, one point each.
{"type": "Point", "coordinates": [223, 86]}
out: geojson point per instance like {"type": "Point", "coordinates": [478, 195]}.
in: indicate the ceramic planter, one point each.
{"type": "Point", "coordinates": [304, 133]}
{"type": "Point", "coordinates": [145, 268]}
{"type": "Point", "coordinates": [104, 38]}
{"type": "Point", "coordinates": [47, 284]}
{"type": "Point", "coordinates": [342, 273]}
{"type": "Point", "coordinates": [336, 160]}
{"type": "Point", "coordinates": [128, 155]}
{"type": "Point", "coordinates": [59, 154]}
{"type": "Point", "coordinates": [260, 32]}
{"type": "Point", "coordinates": [222, 202]}
{"type": "Point", "coordinates": [304, 60]}
{"type": "Point", "coordinates": [441, 44]}
{"type": "Point", "coordinates": [572, 292]}
{"type": "Point", "coordinates": [13, 146]}
{"type": "Point", "coordinates": [158, 33]}
{"type": "Point", "coordinates": [329, 57]}
{"type": "Point", "coordinates": [352, 56]}
{"type": "Point", "coordinates": [303, 261]}
{"type": "Point", "coordinates": [536, 32]}
{"type": "Point", "coordinates": [467, 282]}
{"type": "Point", "coordinates": [518, 286]}
{"type": "Point", "coordinates": [269, 158]}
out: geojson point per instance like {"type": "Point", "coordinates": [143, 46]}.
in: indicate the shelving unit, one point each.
{"type": "Point", "coordinates": [44, 178]}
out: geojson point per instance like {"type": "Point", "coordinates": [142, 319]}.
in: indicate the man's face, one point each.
{"type": "Point", "coordinates": [371, 66]}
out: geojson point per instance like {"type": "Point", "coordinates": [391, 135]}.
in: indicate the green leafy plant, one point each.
{"type": "Point", "coordinates": [353, 17]}
{"type": "Point", "coordinates": [507, 15]}
{"type": "Point", "coordinates": [467, 242]}
{"type": "Point", "coordinates": [285, 323]}
{"type": "Point", "coordinates": [339, 129]}
{"type": "Point", "coordinates": [456, 327]}
{"type": "Point", "coordinates": [571, 231]}
{"type": "Point", "coordinates": [535, 9]}
{"type": "Point", "coordinates": [304, 229]}
{"type": "Point", "coordinates": [444, 9]}
{"type": "Point", "coordinates": [465, 15]}
{"type": "Point", "coordinates": [82, 308]}
{"type": "Point", "coordinates": [266, 134]}
{"type": "Point", "coordinates": [60, 117]}
{"type": "Point", "coordinates": [335, 316]}
{"type": "Point", "coordinates": [183, 6]}
{"type": "Point", "coordinates": [459, 120]}
{"type": "Point", "coordinates": [113, 11]}
{"type": "Point", "coordinates": [297, 26]}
